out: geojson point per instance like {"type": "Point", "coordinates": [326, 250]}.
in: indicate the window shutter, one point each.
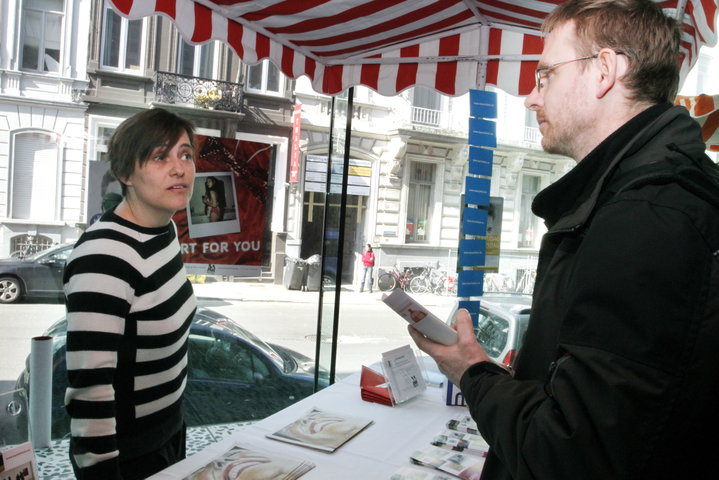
{"type": "Point", "coordinates": [34, 178]}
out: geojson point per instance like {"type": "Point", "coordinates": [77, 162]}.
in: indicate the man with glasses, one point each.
{"type": "Point", "coordinates": [618, 376]}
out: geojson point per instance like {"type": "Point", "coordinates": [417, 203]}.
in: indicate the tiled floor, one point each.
{"type": "Point", "coordinates": [53, 462]}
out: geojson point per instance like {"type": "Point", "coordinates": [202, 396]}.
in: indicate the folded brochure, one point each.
{"type": "Point", "coordinates": [321, 430]}
{"type": "Point", "coordinates": [241, 463]}
{"type": "Point", "coordinates": [374, 388]}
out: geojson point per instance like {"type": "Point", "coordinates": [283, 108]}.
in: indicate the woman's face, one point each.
{"type": "Point", "coordinates": [209, 182]}
{"type": "Point", "coordinates": [163, 184]}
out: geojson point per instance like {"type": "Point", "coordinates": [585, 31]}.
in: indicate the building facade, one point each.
{"type": "Point", "coordinates": [72, 70]}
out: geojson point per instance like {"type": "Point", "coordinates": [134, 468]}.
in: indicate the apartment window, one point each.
{"type": "Point", "coordinates": [528, 222]}
{"type": "Point", "coordinates": [122, 42]}
{"type": "Point", "coordinates": [196, 60]}
{"type": "Point", "coordinates": [420, 202]}
{"type": "Point", "coordinates": [42, 35]}
{"type": "Point", "coordinates": [101, 129]}
{"type": "Point", "coordinates": [426, 106]}
{"type": "Point", "coordinates": [34, 176]}
{"type": "Point", "coordinates": [265, 78]}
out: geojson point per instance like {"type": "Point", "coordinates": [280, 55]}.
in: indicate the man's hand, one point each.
{"type": "Point", "coordinates": [454, 360]}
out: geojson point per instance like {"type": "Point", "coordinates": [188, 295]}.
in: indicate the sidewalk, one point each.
{"type": "Point", "coordinates": [254, 291]}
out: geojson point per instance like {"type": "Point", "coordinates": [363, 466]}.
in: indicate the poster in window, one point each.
{"type": "Point", "coordinates": [222, 229]}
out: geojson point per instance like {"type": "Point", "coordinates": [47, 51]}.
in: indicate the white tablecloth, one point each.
{"type": "Point", "coordinates": [374, 454]}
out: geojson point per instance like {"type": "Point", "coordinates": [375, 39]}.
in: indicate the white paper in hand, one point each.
{"type": "Point", "coordinates": [420, 318]}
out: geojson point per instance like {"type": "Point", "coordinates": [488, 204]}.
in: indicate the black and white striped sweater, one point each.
{"type": "Point", "coordinates": [129, 309]}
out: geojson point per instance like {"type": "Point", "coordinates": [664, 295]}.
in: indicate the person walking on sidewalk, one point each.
{"type": "Point", "coordinates": [367, 266]}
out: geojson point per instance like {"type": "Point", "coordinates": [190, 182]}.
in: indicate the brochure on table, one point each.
{"type": "Point", "coordinates": [18, 462]}
{"type": "Point", "coordinates": [403, 374]}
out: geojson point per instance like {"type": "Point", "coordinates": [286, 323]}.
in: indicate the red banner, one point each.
{"type": "Point", "coordinates": [295, 147]}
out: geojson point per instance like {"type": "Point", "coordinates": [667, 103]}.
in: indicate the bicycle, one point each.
{"type": "Point", "coordinates": [425, 281]}
{"type": "Point", "coordinates": [391, 279]}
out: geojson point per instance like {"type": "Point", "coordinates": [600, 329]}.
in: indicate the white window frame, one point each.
{"type": "Point", "coordinates": [540, 228]}
{"type": "Point", "coordinates": [41, 40]}
{"type": "Point", "coordinates": [59, 148]}
{"type": "Point", "coordinates": [123, 44]}
{"type": "Point", "coordinates": [263, 89]}
{"type": "Point", "coordinates": [95, 122]}
{"type": "Point", "coordinates": [435, 220]}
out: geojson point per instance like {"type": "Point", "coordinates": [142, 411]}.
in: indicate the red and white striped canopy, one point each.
{"type": "Point", "coordinates": [705, 110]}
{"type": "Point", "coordinates": [389, 45]}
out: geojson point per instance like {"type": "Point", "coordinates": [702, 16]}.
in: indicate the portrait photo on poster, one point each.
{"type": "Point", "coordinates": [213, 207]}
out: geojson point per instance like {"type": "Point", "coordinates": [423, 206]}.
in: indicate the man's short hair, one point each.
{"type": "Point", "coordinates": [637, 28]}
{"type": "Point", "coordinates": [134, 140]}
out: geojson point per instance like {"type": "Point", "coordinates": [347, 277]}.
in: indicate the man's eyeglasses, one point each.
{"type": "Point", "coordinates": [540, 74]}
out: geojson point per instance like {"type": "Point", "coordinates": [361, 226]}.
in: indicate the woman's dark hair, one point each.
{"type": "Point", "coordinates": [134, 140]}
{"type": "Point", "coordinates": [219, 187]}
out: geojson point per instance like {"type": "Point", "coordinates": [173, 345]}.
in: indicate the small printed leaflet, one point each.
{"type": "Point", "coordinates": [321, 430]}
{"type": "Point", "coordinates": [420, 318]}
{"type": "Point", "coordinates": [403, 373]}
{"type": "Point", "coordinates": [461, 442]}
{"type": "Point", "coordinates": [18, 463]}
{"type": "Point", "coordinates": [241, 463]}
{"type": "Point", "coordinates": [463, 423]}
{"type": "Point", "coordinates": [409, 473]}
{"type": "Point", "coordinates": [459, 464]}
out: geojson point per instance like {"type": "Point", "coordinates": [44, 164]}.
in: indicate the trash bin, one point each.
{"type": "Point", "coordinates": [294, 273]}
{"type": "Point", "coordinates": [313, 273]}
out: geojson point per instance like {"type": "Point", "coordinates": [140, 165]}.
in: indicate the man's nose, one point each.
{"type": "Point", "coordinates": [533, 99]}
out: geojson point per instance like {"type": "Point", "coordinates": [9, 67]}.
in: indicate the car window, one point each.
{"type": "Point", "coordinates": [492, 332]}
{"type": "Point", "coordinates": [60, 256]}
{"type": "Point", "coordinates": [220, 359]}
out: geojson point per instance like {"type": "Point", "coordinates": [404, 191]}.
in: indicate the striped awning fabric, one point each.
{"type": "Point", "coordinates": [389, 45]}
{"type": "Point", "coordinates": [705, 109]}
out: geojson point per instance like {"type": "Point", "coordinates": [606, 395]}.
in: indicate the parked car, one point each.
{"type": "Point", "coordinates": [37, 275]}
{"type": "Point", "coordinates": [502, 323]}
{"type": "Point", "coordinates": [233, 376]}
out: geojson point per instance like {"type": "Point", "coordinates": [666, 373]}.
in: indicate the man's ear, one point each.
{"type": "Point", "coordinates": [611, 68]}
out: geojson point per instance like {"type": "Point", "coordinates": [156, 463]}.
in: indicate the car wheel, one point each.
{"type": "Point", "coordinates": [328, 281]}
{"type": "Point", "coordinates": [10, 289]}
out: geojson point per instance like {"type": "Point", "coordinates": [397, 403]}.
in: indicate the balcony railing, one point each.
{"type": "Point", "coordinates": [426, 116]}
{"type": "Point", "coordinates": [177, 89]}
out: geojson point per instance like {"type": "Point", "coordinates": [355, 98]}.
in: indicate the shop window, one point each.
{"type": "Point", "coordinates": [34, 177]}
{"type": "Point", "coordinates": [264, 78]}
{"type": "Point", "coordinates": [25, 244]}
{"type": "Point", "coordinates": [196, 60]}
{"type": "Point", "coordinates": [122, 43]}
{"type": "Point", "coordinates": [42, 35]}
{"type": "Point", "coordinates": [528, 222]}
{"type": "Point", "coordinates": [420, 202]}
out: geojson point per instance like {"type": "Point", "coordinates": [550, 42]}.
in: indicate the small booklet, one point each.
{"type": "Point", "coordinates": [420, 318]}
{"type": "Point", "coordinates": [459, 464]}
{"type": "Point", "coordinates": [241, 463]}
{"type": "Point", "coordinates": [403, 374]}
{"type": "Point", "coordinates": [409, 473]}
{"type": "Point", "coordinates": [463, 422]}
{"type": "Point", "coordinates": [321, 430]}
{"type": "Point", "coordinates": [461, 442]}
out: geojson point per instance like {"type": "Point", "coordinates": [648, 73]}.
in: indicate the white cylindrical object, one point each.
{"type": "Point", "coordinates": [40, 391]}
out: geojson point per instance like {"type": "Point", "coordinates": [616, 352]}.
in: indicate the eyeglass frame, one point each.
{"type": "Point", "coordinates": [539, 71]}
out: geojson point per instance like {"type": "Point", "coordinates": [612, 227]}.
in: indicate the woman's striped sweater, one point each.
{"type": "Point", "coordinates": [129, 309]}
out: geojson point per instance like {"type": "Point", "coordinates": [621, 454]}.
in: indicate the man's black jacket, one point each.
{"type": "Point", "coordinates": [618, 377]}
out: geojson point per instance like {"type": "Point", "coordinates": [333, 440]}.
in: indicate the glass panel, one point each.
{"type": "Point", "coordinates": [51, 5]}
{"type": "Point", "coordinates": [273, 77]}
{"type": "Point", "coordinates": [133, 49]}
{"type": "Point", "coordinates": [419, 202]}
{"type": "Point", "coordinates": [112, 39]}
{"type": "Point", "coordinates": [31, 39]}
{"type": "Point", "coordinates": [186, 59]}
{"type": "Point", "coordinates": [207, 56]}
{"type": "Point", "coordinates": [51, 58]}
{"type": "Point", "coordinates": [254, 77]}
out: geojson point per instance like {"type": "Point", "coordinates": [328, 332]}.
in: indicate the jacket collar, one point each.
{"type": "Point", "coordinates": [567, 203]}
